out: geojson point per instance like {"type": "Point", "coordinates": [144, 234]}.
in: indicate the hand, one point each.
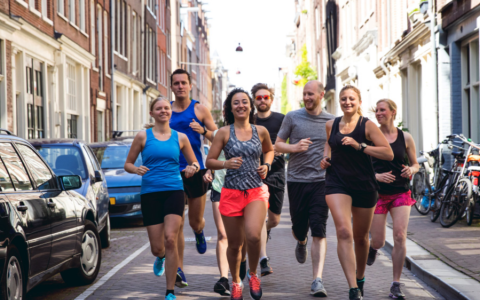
{"type": "Point", "coordinates": [385, 177]}
{"type": "Point", "coordinates": [197, 127]}
{"type": "Point", "coordinates": [348, 141]}
{"type": "Point", "coordinates": [234, 163]}
{"type": "Point", "coordinates": [189, 171]}
{"type": "Point", "coordinates": [406, 172]}
{"type": "Point", "coordinates": [262, 171]}
{"type": "Point", "coordinates": [325, 163]}
{"type": "Point", "coordinates": [141, 170]}
{"type": "Point", "coordinates": [302, 146]}
{"type": "Point", "coordinates": [208, 177]}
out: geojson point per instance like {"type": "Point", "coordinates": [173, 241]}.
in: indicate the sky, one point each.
{"type": "Point", "coordinates": [261, 27]}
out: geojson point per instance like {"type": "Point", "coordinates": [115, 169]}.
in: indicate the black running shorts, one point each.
{"type": "Point", "coordinates": [276, 199]}
{"type": "Point", "coordinates": [195, 186]}
{"type": "Point", "coordinates": [215, 196]}
{"type": "Point", "coordinates": [362, 199]}
{"type": "Point", "coordinates": [157, 205]}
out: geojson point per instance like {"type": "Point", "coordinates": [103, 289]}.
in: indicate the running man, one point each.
{"type": "Point", "coordinates": [263, 99]}
{"type": "Point", "coordinates": [305, 128]}
{"type": "Point", "coordinates": [187, 116]}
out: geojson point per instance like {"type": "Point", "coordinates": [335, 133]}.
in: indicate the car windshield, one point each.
{"type": "Point", "coordinates": [64, 160]}
{"type": "Point", "coordinates": [114, 156]}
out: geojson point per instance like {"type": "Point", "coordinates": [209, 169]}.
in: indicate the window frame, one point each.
{"type": "Point", "coordinates": [27, 167]}
{"type": "Point", "coordinates": [26, 170]}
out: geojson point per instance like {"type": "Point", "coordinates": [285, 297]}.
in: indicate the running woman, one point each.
{"type": "Point", "coordinates": [193, 119]}
{"type": "Point", "coordinates": [351, 187]}
{"type": "Point", "coordinates": [244, 197]}
{"type": "Point", "coordinates": [394, 194]}
{"type": "Point", "coordinates": [263, 99]}
{"type": "Point", "coordinates": [306, 180]}
{"type": "Point", "coordinates": [162, 195]}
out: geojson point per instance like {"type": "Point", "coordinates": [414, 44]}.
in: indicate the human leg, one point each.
{"type": "Point", "coordinates": [377, 231]}
{"type": "Point", "coordinates": [172, 226]}
{"type": "Point", "coordinates": [318, 216]}
{"type": "Point", "coordinates": [222, 242]}
{"type": "Point", "coordinates": [362, 220]}
{"type": "Point", "coordinates": [254, 221]}
{"type": "Point", "coordinates": [196, 209]}
{"type": "Point", "coordinates": [234, 227]}
{"type": "Point", "coordinates": [400, 216]}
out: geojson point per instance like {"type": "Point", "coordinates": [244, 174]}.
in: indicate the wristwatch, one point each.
{"type": "Point", "coordinates": [269, 166]}
{"type": "Point", "coordinates": [196, 167]}
{"type": "Point", "coordinates": [204, 130]}
{"type": "Point", "coordinates": [362, 147]}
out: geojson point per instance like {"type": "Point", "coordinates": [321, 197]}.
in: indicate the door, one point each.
{"type": "Point", "coordinates": [60, 206]}
{"type": "Point", "coordinates": [30, 207]}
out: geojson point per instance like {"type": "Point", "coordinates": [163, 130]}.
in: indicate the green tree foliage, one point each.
{"type": "Point", "coordinates": [285, 105]}
{"type": "Point", "coordinates": [304, 70]}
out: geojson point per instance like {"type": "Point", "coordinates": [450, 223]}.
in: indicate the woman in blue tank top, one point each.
{"type": "Point", "coordinates": [162, 195]}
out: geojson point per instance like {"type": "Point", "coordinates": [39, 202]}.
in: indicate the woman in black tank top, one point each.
{"type": "Point", "coordinates": [350, 187]}
{"type": "Point", "coordinates": [394, 194]}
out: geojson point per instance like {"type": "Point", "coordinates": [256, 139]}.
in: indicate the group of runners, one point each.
{"type": "Point", "coordinates": [346, 166]}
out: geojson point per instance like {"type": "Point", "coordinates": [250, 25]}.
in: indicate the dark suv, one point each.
{"type": "Point", "coordinates": [44, 227]}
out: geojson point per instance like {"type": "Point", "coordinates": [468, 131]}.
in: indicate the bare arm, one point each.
{"type": "Point", "coordinates": [207, 119]}
{"type": "Point", "coordinates": [282, 146]}
{"type": "Point", "coordinates": [189, 155]}
{"type": "Point", "coordinates": [412, 157]}
{"type": "Point", "coordinates": [219, 142]}
{"type": "Point", "coordinates": [137, 147]}
{"type": "Point", "coordinates": [325, 163]}
{"type": "Point", "coordinates": [267, 149]}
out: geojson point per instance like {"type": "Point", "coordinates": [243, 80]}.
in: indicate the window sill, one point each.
{"type": "Point", "coordinates": [121, 56]}
{"type": "Point", "coordinates": [84, 33]}
{"type": "Point", "coordinates": [151, 82]}
{"type": "Point", "coordinates": [21, 2]}
{"type": "Point", "coordinates": [63, 17]}
{"type": "Point", "coordinates": [74, 26]}
{"type": "Point", "coordinates": [35, 12]}
{"type": "Point", "coordinates": [108, 76]}
{"type": "Point", "coordinates": [102, 94]}
{"type": "Point", "coordinates": [95, 69]}
{"type": "Point", "coordinates": [48, 21]}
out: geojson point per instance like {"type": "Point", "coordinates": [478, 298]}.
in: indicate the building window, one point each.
{"type": "Point", "coordinates": [92, 26]}
{"type": "Point", "coordinates": [105, 41]}
{"type": "Point", "coordinates": [169, 44]}
{"type": "Point", "coordinates": [317, 21]}
{"type": "Point", "coordinates": [128, 38]}
{"type": "Point", "coordinates": [72, 122]}
{"type": "Point", "coordinates": [71, 10]}
{"type": "Point", "coordinates": [60, 7]}
{"type": "Point", "coordinates": [71, 94]}
{"type": "Point", "coordinates": [100, 48]}
{"type": "Point", "coordinates": [470, 89]}
{"type": "Point", "coordinates": [117, 27]}
{"type": "Point", "coordinates": [46, 9]}
{"type": "Point", "coordinates": [134, 42]}
{"type": "Point", "coordinates": [82, 15]}
{"type": "Point", "coordinates": [124, 32]}
{"type": "Point", "coordinates": [100, 126]}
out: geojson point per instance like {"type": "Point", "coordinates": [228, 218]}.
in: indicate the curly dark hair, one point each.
{"type": "Point", "coordinates": [228, 106]}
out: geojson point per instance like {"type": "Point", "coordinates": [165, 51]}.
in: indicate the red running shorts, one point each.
{"type": "Point", "coordinates": [233, 202]}
{"type": "Point", "coordinates": [387, 202]}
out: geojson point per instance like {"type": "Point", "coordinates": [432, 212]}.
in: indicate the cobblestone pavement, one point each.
{"type": "Point", "coordinates": [290, 280]}
{"type": "Point", "coordinates": [457, 246]}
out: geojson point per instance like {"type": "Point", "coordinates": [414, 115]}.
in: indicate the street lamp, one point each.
{"type": "Point", "coordinates": [239, 50]}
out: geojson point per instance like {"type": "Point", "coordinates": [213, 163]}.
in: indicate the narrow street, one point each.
{"type": "Point", "coordinates": [136, 280]}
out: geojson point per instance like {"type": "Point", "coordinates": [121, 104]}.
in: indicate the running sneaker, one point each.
{"type": "Point", "coordinates": [355, 294]}
{"type": "Point", "coordinates": [318, 290]}
{"type": "Point", "coordinates": [181, 281]}
{"type": "Point", "coordinates": [255, 288]}
{"type": "Point", "coordinates": [222, 287]}
{"type": "Point", "coordinates": [237, 289]}
{"type": "Point", "coordinates": [159, 266]}
{"type": "Point", "coordinates": [201, 243]}
{"type": "Point", "coordinates": [372, 255]}
{"type": "Point", "coordinates": [265, 267]}
{"type": "Point", "coordinates": [396, 291]}
{"type": "Point", "coordinates": [170, 297]}
{"type": "Point", "coordinates": [360, 284]}
{"type": "Point", "coordinates": [243, 269]}
{"type": "Point", "coordinates": [301, 252]}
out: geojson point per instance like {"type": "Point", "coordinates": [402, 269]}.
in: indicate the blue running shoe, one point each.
{"type": "Point", "coordinates": [181, 281]}
{"type": "Point", "coordinates": [170, 297]}
{"type": "Point", "coordinates": [201, 243]}
{"type": "Point", "coordinates": [159, 266]}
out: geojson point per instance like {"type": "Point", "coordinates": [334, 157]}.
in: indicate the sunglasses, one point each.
{"type": "Point", "coordinates": [266, 97]}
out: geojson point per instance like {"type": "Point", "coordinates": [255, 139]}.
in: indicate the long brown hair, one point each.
{"type": "Point", "coordinates": [152, 105]}
{"type": "Point", "coordinates": [357, 91]}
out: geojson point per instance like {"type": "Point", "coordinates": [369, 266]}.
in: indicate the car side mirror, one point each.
{"type": "Point", "coordinates": [98, 176]}
{"type": "Point", "coordinates": [70, 182]}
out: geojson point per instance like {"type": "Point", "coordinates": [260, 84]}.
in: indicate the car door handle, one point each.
{"type": "Point", "coordinates": [51, 204]}
{"type": "Point", "coordinates": [22, 207]}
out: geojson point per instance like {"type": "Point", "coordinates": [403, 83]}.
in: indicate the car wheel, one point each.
{"type": "Point", "coordinates": [12, 285]}
{"type": "Point", "coordinates": [105, 234]}
{"type": "Point", "coordinates": [90, 258]}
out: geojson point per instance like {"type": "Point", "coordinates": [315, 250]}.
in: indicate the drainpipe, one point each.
{"type": "Point", "coordinates": [112, 64]}
{"type": "Point", "coordinates": [431, 5]}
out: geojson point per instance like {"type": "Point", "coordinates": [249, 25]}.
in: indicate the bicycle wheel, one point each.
{"type": "Point", "coordinates": [419, 187]}
{"type": "Point", "coordinates": [451, 211]}
{"type": "Point", "coordinates": [471, 208]}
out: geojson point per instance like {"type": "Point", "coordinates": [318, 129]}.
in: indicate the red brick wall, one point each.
{"type": "Point", "coordinates": [8, 55]}
{"type": "Point", "coordinates": [23, 12]}
{"type": "Point", "coordinates": [456, 10]}
{"type": "Point", "coordinates": [68, 30]}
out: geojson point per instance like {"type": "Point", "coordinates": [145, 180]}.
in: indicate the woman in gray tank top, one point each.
{"type": "Point", "coordinates": [244, 197]}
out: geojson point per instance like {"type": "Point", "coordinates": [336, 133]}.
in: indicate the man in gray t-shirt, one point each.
{"type": "Point", "coordinates": [306, 180]}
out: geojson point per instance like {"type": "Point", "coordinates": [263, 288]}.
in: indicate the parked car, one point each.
{"type": "Point", "coordinates": [74, 157]}
{"type": "Point", "coordinates": [123, 188]}
{"type": "Point", "coordinates": [45, 228]}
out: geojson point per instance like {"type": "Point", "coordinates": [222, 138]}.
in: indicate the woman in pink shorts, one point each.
{"type": "Point", "coordinates": [244, 197]}
{"type": "Point", "coordinates": [394, 195]}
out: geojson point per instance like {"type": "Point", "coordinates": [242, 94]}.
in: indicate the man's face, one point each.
{"type": "Point", "coordinates": [311, 96]}
{"type": "Point", "coordinates": [263, 100]}
{"type": "Point", "coordinates": [180, 85]}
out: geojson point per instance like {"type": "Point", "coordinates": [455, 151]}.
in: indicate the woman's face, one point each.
{"type": "Point", "coordinates": [240, 106]}
{"type": "Point", "coordinates": [349, 102]}
{"type": "Point", "coordinates": [383, 113]}
{"type": "Point", "coordinates": [162, 111]}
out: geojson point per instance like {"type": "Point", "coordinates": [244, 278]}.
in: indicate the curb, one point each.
{"type": "Point", "coordinates": [445, 289]}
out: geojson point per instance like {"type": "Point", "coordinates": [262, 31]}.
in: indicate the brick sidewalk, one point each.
{"type": "Point", "coordinates": [457, 246]}
{"type": "Point", "coordinates": [289, 281]}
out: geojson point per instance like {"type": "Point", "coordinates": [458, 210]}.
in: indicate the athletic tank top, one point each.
{"type": "Point", "coordinates": [161, 158]}
{"type": "Point", "coordinates": [180, 121]}
{"type": "Point", "coordinates": [351, 169]}
{"type": "Point", "coordinates": [400, 185]}
{"type": "Point", "coordinates": [245, 177]}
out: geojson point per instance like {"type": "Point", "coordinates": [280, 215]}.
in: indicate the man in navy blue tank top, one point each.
{"type": "Point", "coordinates": [195, 120]}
